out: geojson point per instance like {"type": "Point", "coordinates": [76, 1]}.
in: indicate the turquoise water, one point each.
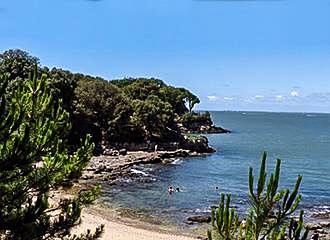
{"type": "Point", "coordinates": [301, 140]}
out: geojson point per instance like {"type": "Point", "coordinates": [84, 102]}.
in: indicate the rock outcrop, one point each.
{"type": "Point", "coordinates": [113, 168]}
{"type": "Point", "coordinates": [198, 144]}
{"type": "Point", "coordinates": [199, 219]}
{"type": "Point", "coordinates": [199, 123]}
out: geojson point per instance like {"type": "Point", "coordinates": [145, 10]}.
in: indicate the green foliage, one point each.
{"type": "Point", "coordinates": [190, 99]}
{"type": "Point", "coordinates": [122, 83]}
{"type": "Point", "coordinates": [176, 97]}
{"type": "Point", "coordinates": [270, 214]}
{"type": "Point", "coordinates": [34, 161]}
{"type": "Point", "coordinates": [154, 116]}
{"type": "Point", "coordinates": [193, 121]}
{"type": "Point", "coordinates": [147, 111]}
{"type": "Point", "coordinates": [102, 105]}
{"type": "Point", "coordinates": [142, 88]}
{"type": "Point", "coordinates": [224, 219]}
{"type": "Point", "coordinates": [110, 111]}
{"type": "Point", "coordinates": [89, 235]}
{"type": "Point", "coordinates": [97, 100]}
{"type": "Point", "coordinates": [17, 63]}
{"type": "Point", "coordinates": [63, 84]}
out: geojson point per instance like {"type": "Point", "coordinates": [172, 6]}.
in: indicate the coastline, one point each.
{"type": "Point", "coordinates": [112, 169]}
{"type": "Point", "coordinates": [124, 228]}
{"type": "Point", "coordinates": [124, 223]}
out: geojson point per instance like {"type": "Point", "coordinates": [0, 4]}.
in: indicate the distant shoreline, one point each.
{"type": "Point", "coordinates": [256, 111]}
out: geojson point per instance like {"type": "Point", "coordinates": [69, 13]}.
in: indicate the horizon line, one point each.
{"type": "Point", "coordinates": [260, 111]}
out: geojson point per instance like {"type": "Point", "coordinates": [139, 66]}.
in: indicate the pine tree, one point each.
{"type": "Point", "coordinates": [35, 161]}
{"type": "Point", "coordinates": [270, 214]}
{"type": "Point", "coordinates": [224, 220]}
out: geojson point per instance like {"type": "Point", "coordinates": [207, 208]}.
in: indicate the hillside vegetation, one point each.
{"type": "Point", "coordinates": [137, 110]}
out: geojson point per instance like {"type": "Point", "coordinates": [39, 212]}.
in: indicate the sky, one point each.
{"type": "Point", "coordinates": [260, 55]}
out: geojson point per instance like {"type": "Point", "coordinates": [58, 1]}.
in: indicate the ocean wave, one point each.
{"type": "Point", "coordinates": [324, 207]}
{"type": "Point", "coordinates": [139, 172]}
{"type": "Point", "coordinates": [177, 161]}
{"type": "Point", "coordinates": [203, 210]}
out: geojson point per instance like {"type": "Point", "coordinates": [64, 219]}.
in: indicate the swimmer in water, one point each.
{"type": "Point", "coordinates": [170, 189]}
{"type": "Point", "coordinates": [178, 189]}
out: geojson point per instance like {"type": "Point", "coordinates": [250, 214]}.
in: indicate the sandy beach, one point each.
{"type": "Point", "coordinates": [116, 229]}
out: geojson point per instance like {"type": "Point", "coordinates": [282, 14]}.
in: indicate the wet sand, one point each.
{"type": "Point", "coordinates": [124, 229]}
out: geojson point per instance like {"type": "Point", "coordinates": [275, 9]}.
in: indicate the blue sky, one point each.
{"type": "Point", "coordinates": [235, 55]}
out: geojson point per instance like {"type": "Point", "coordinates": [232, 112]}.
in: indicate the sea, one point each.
{"type": "Point", "coordinates": [300, 140]}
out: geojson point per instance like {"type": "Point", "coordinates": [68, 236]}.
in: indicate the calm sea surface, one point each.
{"type": "Point", "coordinates": [300, 140]}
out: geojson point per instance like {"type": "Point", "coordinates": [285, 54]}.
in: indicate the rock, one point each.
{"type": "Point", "coordinates": [156, 160]}
{"type": "Point", "coordinates": [199, 219]}
{"type": "Point", "coordinates": [202, 238]}
{"type": "Point", "coordinates": [181, 153]}
{"type": "Point", "coordinates": [321, 215]}
{"type": "Point", "coordinates": [325, 224]}
{"type": "Point", "coordinates": [168, 160]}
{"type": "Point", "coordinates": [123, 151]}
{"type": "Point", "coordinates": [215, 129]}
{"type": "Point", "coordinates": [315, 236]}
{"type": "Point", "coordinates": [98, 150]}
{"type": "Point", "coordinates": [100, 170]}
{"type": "Point", "coordinates": [87, 177]}
{"type": "Point", "coordinates": [189, 222]}
{"type": "Point", "coordinates": [313, 226]}
{"type": "Point", "coordinates": [107, 152]}
{"type": "Point", "coordinates": [176, 154]}
{"type": "Point", "coordinates": [211, 129]}
{"type": "Point", "coordinates": [145, 180]}
{"type": "Point", "coordinates": [108, 169]}
{"type": "Point", "coordinates": [320, 231]}
{"type": "Point", "coordinates": [112, 152]}
{"type": "Point", "coordinates": [91, 169]}
{"type": "Point", "coordinates": [199, 144]}
{"type": "Point", "coordinates": [200, 124]}
{"type": "Point", "coordinates": [117, 164]}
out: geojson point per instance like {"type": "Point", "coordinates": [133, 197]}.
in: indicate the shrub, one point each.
{"type": "Point", "coordinates": [270, 215]}
{"type": "Point", "coordinates": [34, 161]}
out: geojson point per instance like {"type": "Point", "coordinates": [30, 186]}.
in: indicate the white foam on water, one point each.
{"type": "Point", "coordinates": [327, 208]}
{"type": "Point", "coordinates": [139, 172]}
{"type": "Point", "coordinates": [176, 161]}
{"type": "Point", "coordinates": [203, 210]}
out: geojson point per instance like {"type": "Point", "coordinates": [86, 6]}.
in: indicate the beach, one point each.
{"type": "Point", "coordinates": [123, 229]}
{"type": "Point", "coordinates": [143, 186]}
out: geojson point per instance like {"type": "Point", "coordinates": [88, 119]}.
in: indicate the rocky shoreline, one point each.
{"type": "Point", "coordinates": [113, 169]}
{"type": "Point", "coordinates": [207, 129]}
{"type": "Point", "coordinates": [117, 165]}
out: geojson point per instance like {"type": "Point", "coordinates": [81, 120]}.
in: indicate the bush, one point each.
{"type": "Point", "coordinates": [154, 117]}
{"type": "Point", "coordinates": [194, 121]}
{"type": "Point", "coordinates": [270, 215]}
{"type": "Point", "coordinates": [34, 161]}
